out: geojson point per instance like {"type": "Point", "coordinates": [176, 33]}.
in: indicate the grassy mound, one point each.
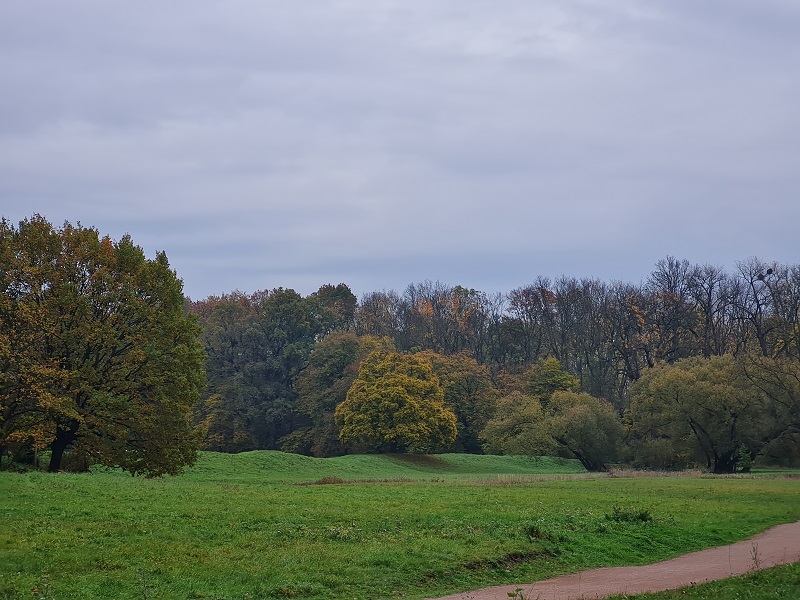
{"type": "Point", "coordinates": [279, 467]}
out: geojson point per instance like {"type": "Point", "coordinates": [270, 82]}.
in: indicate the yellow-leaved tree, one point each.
{"type": "Point", "coordinates": [396, 404]}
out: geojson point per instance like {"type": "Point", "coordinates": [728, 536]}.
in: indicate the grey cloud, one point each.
{"type": "Point", "coordinates": [379, 143]}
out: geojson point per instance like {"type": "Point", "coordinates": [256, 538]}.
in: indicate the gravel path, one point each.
{"type": "Point", "coordinates": [776, 546]}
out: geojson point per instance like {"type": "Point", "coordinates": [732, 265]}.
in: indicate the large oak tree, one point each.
{"type": "Point", "coordinates": [97, 356]}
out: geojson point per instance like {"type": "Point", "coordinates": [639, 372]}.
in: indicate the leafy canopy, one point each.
{"type": "Point", "coordinates": [396, 404]}
{"type": "Point", "coordinates": [706, 406]}
{"type": "Point", "coordinates": [323, 385]}
{"type": "Point", "coordinates": [96, 353]}
{"type": "Point", "coordinates": [553, 418]}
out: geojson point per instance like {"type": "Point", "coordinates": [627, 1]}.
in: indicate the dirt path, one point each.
{"type": "Point", "coordinates": [775, 546]}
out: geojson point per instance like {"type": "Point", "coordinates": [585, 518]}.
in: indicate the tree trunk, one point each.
{"type": "Point", "coordinates": [725, 463]}
{"type": "Point", "coordinates": [593, 465]}
{"type": "Point", "coordinates": [64, 437]}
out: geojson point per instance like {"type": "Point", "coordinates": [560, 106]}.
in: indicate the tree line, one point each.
{"type": "Point", "coordinates": [619, 342]}
{"type": "Point", "coordinates": [104, 361]}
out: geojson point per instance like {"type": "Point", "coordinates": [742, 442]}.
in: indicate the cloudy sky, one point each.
{"type": "Point", "coordinates": [265, 143]}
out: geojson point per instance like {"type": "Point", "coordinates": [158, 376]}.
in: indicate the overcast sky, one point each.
{"type": "Point", "coordinates": [378, 143]}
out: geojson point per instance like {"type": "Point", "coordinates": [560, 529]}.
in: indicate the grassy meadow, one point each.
{"type": "Point", "coordinates": [273, 525]}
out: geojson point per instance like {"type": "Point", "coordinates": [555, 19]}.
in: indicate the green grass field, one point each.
{"type": "Point", "coordinates": [250, 526]}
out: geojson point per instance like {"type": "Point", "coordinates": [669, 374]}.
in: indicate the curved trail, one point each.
{"type": "Point", "coordinates": [776, 546]}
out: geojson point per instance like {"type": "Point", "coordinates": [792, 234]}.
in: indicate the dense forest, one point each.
{"type": "Point", "coordinates": [103, 360]}
{"type": "Point", "coordinates": [694, 366]}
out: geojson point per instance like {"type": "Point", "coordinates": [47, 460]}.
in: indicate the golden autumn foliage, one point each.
{"type": "Point", "coordinates": [396, 404]}
{"type": "Point", "coordinates": [323, 385]}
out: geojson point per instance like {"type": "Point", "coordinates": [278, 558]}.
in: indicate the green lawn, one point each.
{"type": "Point", "coordinates": [245, 526]}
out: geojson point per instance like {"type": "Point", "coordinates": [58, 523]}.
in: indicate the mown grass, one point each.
{"type": "Point", "coordinates": [241, 526]}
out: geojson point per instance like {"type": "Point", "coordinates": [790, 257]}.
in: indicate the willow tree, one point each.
{"type": "Point", "coordinates": [396, 404]}
{"type": "Point", "coordinates": [585, 427]}
{"type": "Point", "coordinates": [97, 356]}
{"type": "Point", "coordinates": [701, 408]}
{"type": "Point", "coordinates": [571, 424]}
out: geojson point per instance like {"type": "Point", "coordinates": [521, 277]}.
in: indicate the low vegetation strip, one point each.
{"type": "Point", "coordinates": [776, 546]}
{"type": "Point", "coordinates": [238, 526]}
